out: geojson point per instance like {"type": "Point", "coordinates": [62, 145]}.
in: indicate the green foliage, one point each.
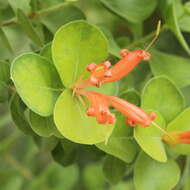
{"type": "Point", "coordinates": [73, 123]}
{"type": "Point", "coordinates": [38, 83]}
{"type": "Point", "coordinates": [43, 126]}
{"type": "Point", "coordinates": [28, 28]}
{"type": "Point", "coordinates": [17, 109]}
{"type": "Point", "coordinates": [113, 169]}
{"type": "Point", "coordinates": [5, 40]}
{"type": "Point", "coordinates": [70, 44]}
{"type": "Point", "coordinates": [65, 152]}
{"type": "Point", "coordinates": [167, 96]}
{"type": "Point", "coordinates": [157, 172]}
{"type": "Point", "coordinates": [20, 4]}
{"type": "Point", "coordinates": [120, 144]}
{"type": "Point", "coordinates": [126, 8]}
{"type": "Point", "coordinates": [174, 67]}
{"type": "Point", "coordinates": [152, 135]}
{"type": "Point", "coordinates": [169, 11]}
{"type": "Point", "coordinates": [4, 71]}
{"type": "Point", "coordinates": [69, 13]}
{"type": "Point", "coordinates": [45, 47]}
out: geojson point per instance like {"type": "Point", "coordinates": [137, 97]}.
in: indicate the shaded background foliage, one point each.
{"type": "Point", "coordinates": [35, 157]}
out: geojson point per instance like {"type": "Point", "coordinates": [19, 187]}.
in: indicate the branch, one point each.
{"type": "Point", "coordinates": [36, 14]}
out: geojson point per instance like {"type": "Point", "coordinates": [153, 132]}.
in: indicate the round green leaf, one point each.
{"type": "Point", "coordinates": [150, 139]}
{"type": "Point", "coordinates": [180, 123]}
{"type": "Point", "coordinates": [162, 95]}
{"type": "Point", "coordinates": [73, 123]}
{"type": "Point", "coordinates": [175, 67]}
{"type": "Point", "coordinates": [131, 10]}
{"type": "Point", "coordinates": [150, 174]}
{"type": "Point", "coordinates": [75, 45]}
{"type": "Point", "coordinates": [121, 143]}
{"type": "Point", "coordinates": [37, 82]}
{"type": "Point", "coordinates": [43, 126]}
{"type": "Point", "coordinates": [113, 169]}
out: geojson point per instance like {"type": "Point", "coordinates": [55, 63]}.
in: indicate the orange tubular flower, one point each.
{"type": "Point", "coordinates": [182, 137]}
{"type": "Point", "coordinates": [102, 73]}
{"type": "Point", "coordinates": [100, 109]}
{"type": "Point", "coordinates": [134, 114]}
{"type": "Point", "coordinates": [128, 62]}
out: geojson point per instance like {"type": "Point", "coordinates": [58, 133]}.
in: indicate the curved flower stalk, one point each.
{"type": "Point", "coordinates": [177, 137]}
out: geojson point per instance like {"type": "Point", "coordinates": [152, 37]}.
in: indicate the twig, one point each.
{"type": "Point", "coordinates": [38, 13]}
{"type": "Point", "coordinates": [146, 38]}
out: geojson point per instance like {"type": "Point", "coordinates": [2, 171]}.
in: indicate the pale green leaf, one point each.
{"type": "Point", "coordinates": [161, 94]}
{"type": "Point", "coordinates": [121, 143]}
{"type": "Point", "coordinates": [175, 67]}
{"type": "Point", "coordinates": [73, 123]}
{"type": "Point", "coordinates": [37, 82]}
{"type": "Point", "coordinates": [75, 45]}
{"type": "Point", "coordinates": [150, 174]}
{"type": "Point", "coordinates": [150, 139]}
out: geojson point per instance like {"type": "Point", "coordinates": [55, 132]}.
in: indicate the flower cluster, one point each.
{"type": "Point", "coordinates": [104, 73]}
{"type": "Point", "coordinates": [99, 108]}
{"type": "Point", "coordinates": [100, 103]}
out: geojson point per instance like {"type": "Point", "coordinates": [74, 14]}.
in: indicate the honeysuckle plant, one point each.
{"type": "Point", "coordinates": [75, 84]}
{"type": "Point", "coordinates": [109, 109]}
